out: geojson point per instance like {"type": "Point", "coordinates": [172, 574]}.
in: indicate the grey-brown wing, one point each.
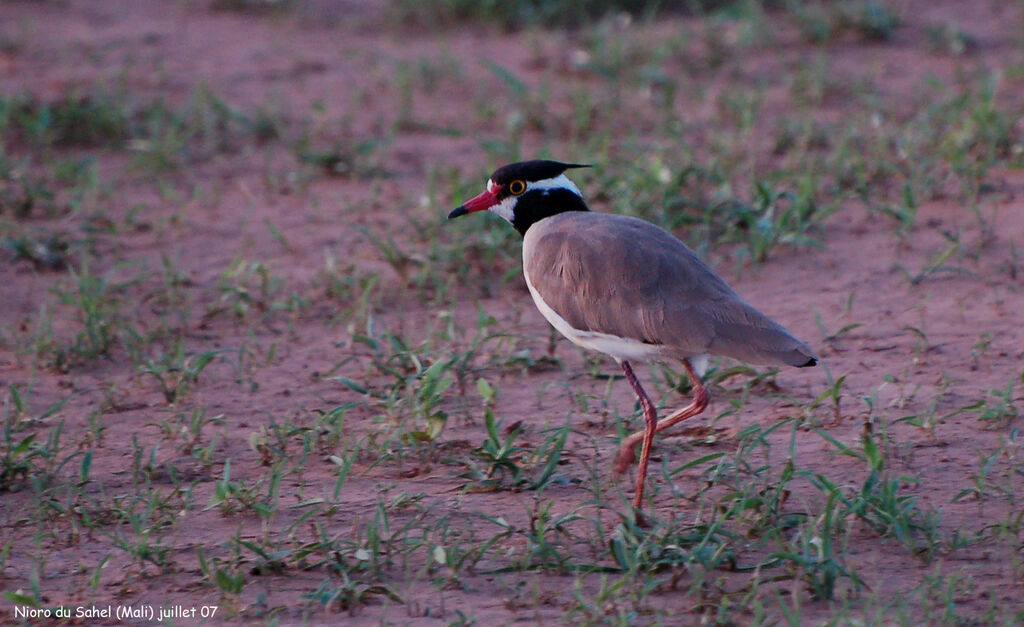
{"type": "Point", "coordinates": [626, 277]}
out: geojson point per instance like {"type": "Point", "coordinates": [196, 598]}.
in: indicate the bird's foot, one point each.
{"type": "Point", "coordinates": [624, 460]}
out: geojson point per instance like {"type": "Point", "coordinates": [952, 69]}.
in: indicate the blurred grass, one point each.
{"type": "Point", "coordinates": [518, 14]}
{"type": "Point", "coordinates": [819, 21]}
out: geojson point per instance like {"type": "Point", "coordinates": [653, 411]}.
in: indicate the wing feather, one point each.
{"type": "Point", "coordinates": [626, 277]}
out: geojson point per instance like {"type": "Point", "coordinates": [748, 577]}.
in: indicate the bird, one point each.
{"type": "Point", "coordinates": [627, 288]}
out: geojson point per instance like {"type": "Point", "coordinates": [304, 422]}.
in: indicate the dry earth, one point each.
{"type": "Point", "coordinates": [240, 246]}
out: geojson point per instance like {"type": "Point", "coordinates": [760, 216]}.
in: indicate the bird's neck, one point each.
{"type": "Point", "coordinates": [534, 206]}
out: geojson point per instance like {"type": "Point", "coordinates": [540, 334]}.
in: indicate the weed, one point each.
{"type": "Point", "coordinates": [148, 523]}
{"type": "Point", "coordinates": [519, 14]}
{"type": "Point", "coordinates": [881, 502]}
{"type": "Point", "coordinates": [980, 478]}
{"type": "Point", "coordinates": [18, 453]}
{"type": "Point", "coordinates": [252, 6]}
{"type": "Point", "coordinates": [47, 253]}
{"type": "Point", "coordinates": [95, 301]}
{"type": "Point", "coordinates": [874, 21]}
{"type": "Point", "coordinates": [833, 393]}
{"type": "Point", "coordinates": [542, 552]}
{"type": "Point", "coordinates": [905, 214]}
{"type": "Point", "coordinates": [346, 157]}
{"type": "Point", "coordinates": [245, 285]}
{"type": "Point", "coordinates": [400, 262]}
{"type": "Point", "coordinates": [811, 554]}
{"type": "Point", "coordinates": [356, 291]}
{"type": "Point", "coordinates": [228, 578]}
{"type": "Point", "coordinates": [176, 373]}
{"type": "Point", "coordinates": [72, 120]}
{"type": "Point", "coordinates": [835, 335]}
{"type": "Point", "coordinates": [950, 38]}
{"type": "Point", "coordinates": [233, 496]}
{"type": "Point", "coordinates": [511, 466]}
{"type": "Point", "coordinates": [1001, 413]}
{"type": "Point", "coordinates": [415, 390]}
{"type": "Point", "coordinates": [188, 426]}
{"type": "Point", "coordinates": [822, 23]}
{"type": "Point", "coordinates": [777, 217]}
{"type": "Point", "coordinates": [349, 595]}
{"type": "Point", "coordinates": [500, 454]}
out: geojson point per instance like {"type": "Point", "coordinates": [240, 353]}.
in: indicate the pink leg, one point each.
{"type": "Point", "coordinates": [651, 424]}
{"type": "Point", "coordinates": [626, 452]}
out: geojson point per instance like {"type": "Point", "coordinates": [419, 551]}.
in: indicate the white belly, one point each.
{"type": "Point", "coordinates": [622, 349]}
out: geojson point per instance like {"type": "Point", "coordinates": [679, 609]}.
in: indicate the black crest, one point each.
{"type": "Point", "coordinates": [530, 171]}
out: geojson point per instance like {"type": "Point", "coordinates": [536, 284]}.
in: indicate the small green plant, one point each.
{"type": "Point", "coordinates": [812, 557]}
{"type": "Point", "coordinates": [246, 285]}
{"type": "Point", "coordinates": [1003, 411]}
{"type": "Point", "coordinates": [411, 389]}
{"type": "Point", "coordinates": [881, 501]}
{"type": "Point", "coordinates": [45, 253]}
{"type": "Point", "coordinates": [96, 302]}
{"type": "Point", "coordinates": [21, 193]}
{"type": "Point", "coordinates": [426, 398]}
{"type": "Point", "coordinates": [950, 38]}
{"type": "Point", "coordinates": [16, 456]}
{"type": "Point", "coordinates": [37, 460]}
{"type": "Point", "coordinates": [833, 393]}
{"type": "Point", "coordinates": [350, 594]}
{"type": "Point", "coordinates": [189, 426]}
{"type": "Point", "coordinates": [821, 23]}
{"type": "Point", "coordinates": [501, 455]}
{"type": "Point", "coordinates": [167, 138]}
{"type": "Point", "coordinates": [980, 489]}
{"type": "Point", "coordinates": [176, 372]}
{"type": "Point", "coordinates": [228, 578]}
{"type": "Point", "coordinates": [936, 266]}
{"type": "Point", "coordinates": [346, 157]}
{"type": "Point", "coordinates": [904, 213]}
{"type": "Point", "coordinates": [519, 14]}
{"type": "Point", "coordinates": [252, 6]}
{"type": "Point", "coordinates": [773, 217]}
{"type": "Point", "coordinates": [233, 496]}
{"type": "Point", "coordinates": [509, 466]}
{"type": "Point", "coordinates": [874, 20]}
{"type": "Point", "coordinates": [542, 550]}
{"type": "Point", "coordinates": [148, 524]}
{"type": "Point", "coordinates": [71, 120]}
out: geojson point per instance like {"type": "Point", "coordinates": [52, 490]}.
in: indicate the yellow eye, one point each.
{"type": "Point", "coordinates": [516, 187]}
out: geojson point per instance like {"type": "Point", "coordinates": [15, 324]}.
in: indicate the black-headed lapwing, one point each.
{"type": "Point", "coordinates": [627, 288]}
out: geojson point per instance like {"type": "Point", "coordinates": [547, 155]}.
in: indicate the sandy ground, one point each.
{"type": "Point", "coordinates": [931, 346]}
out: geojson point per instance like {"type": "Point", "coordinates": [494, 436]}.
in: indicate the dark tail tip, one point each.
{"type": "Point", "coordinates": [813, 361]}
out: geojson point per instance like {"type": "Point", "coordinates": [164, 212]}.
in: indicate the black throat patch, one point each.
{"type": "Point", "coordinates": [535, 205]}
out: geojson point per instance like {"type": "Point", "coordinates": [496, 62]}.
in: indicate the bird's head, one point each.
{"type": "Point", "coordinates": [526, 192]}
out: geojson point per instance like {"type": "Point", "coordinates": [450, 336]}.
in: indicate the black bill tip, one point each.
{"type": "Point", "coordinates": [458, 211]}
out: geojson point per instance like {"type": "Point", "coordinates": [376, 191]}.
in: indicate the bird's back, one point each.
{"type": "Point", "coordinates": [625, 277]}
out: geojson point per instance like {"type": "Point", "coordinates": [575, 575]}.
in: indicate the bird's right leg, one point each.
{"type": "Point", "coordinates": [701, 397]}
{"type": "Point", "coordinates": [647, 435]}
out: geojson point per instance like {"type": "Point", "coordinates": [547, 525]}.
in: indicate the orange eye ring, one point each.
{"type": "Point", "coordinates": [516, 187]}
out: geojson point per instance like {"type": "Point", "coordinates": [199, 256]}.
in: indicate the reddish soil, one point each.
{"type": "Point", "coordinates": [339, 64]}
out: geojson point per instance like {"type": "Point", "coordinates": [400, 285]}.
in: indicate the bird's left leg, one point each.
{"type": "Point", "coordinates": [700, 401]}
{"type": "Point", "coordinates": [650, 427]}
